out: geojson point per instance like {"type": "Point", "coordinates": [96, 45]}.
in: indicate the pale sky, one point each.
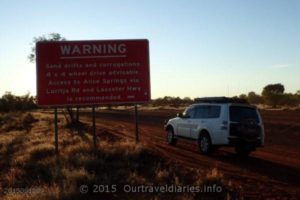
{"type": "Point", "coordinates": [197, 48]}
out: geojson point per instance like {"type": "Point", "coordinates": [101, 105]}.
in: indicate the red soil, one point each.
{"type": "Point", "coordinates": [269, 172]}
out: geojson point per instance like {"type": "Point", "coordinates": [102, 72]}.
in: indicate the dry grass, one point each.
{"type": "Point", "coordinates": [28, 161]}
{"type": "Point", "coordinates": [16, 121]}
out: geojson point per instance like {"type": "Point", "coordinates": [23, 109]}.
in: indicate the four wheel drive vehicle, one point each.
{"type": "Point", "coordinates": [218, 121]}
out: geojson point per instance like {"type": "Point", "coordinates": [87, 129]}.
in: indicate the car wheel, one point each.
{"type": "Point", "coordinates": [204, 144]}
{"type": "Point", "coordinates": [170, 137]}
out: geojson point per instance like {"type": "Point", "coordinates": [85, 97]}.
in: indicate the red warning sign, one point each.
{"type": "Point", "coordinates": [92, 72]}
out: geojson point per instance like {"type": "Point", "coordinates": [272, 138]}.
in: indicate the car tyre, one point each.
{"type": "Point", "coordinates": [204, 144]}
{"type": "Point", "coordinates": [170, 137]}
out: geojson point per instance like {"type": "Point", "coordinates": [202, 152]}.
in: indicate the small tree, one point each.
{"type": "Point", "coordinates": [187, 100]}
{"type": "Point", "coordinates": [8, 102]}
{"type": "Point", "coordinates": [298, 96]}
{"type": "Point", "coordinates": [254, 98]}
{"type": "Point", "coordinates": [49, 37]}
{"type": "Point", "coordinates": [243, 96]}
{"type": "Point", "coordinates": [273, 93]}
{"type": "Point", "coordinates": [289, 100]}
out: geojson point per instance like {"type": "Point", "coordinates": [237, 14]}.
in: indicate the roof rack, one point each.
{"type": "Point", "coordinates": [220, 100]}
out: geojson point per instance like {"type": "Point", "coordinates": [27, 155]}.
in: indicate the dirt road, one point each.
{"type": "Point", "coordinates": [270, 171]}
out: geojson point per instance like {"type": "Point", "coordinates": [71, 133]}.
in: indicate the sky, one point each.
{"type": "Point", "coordinates": [198, 48]}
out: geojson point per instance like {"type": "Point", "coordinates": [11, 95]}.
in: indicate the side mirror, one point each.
{"type": "Point", "coordinates": [180, 115]}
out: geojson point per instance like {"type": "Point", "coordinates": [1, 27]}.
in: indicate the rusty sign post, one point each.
{"type": "Point", "coordinates": [94, 129]}
{"type": "Point", "coordinates": [56, 131]}
{"type": "Point", "coordinates": [137, 139]}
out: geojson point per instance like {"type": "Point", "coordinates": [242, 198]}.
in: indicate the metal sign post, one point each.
{"type": "Point", "coordinates": [94, 128]}
{"type": "Point", "coordinates": [56, 130]}
{"type": "Point", "coordinates": [77, 114]}
{"type": "Point", "coordinates": [136, 124]}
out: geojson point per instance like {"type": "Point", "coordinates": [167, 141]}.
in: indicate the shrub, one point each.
{"type": "Point", "coordinates": [10, 102]}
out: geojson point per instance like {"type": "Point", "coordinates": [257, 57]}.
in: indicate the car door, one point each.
{"type": "Point", "coordinates": [207, 117]}
{"type": "Point", "coordinates": [198, 122]}
{"type": "Point", "coordinates": [214, 123]}
{"type": "Point", "coordinates": [184, 123]}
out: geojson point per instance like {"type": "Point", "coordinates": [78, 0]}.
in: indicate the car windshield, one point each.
{"type": "Point", "coordinates": [240, 113]}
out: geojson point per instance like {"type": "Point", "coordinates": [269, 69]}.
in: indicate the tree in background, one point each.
{"type": "Point", "coordinates": [298, 96]}
{"type": "Point", "coordinates": [49, 37]}
{"type": "Point", "coordinates": [243, 96]}
{"type": "Point", "coordinates": [172, 101]}
{"type": "Point", "coordinates": [254, 98]}
{"type": "Point", "coordinates": [289, 99]}
{"type": "Point", "coordinates": [272, 94]}
{"type": "Point", "coordinates": [187, 101]}
{"type": "Point", "coordinates": [10, 102]}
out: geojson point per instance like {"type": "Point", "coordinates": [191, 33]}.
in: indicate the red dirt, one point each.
{"type": "Point", "coordinates": [271, 171]}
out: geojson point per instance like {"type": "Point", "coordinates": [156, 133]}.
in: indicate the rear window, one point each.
{"type": "Point", "coordinates": [240, 113]}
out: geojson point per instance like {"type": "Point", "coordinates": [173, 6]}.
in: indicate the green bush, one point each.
{"type": "Point", "coordinates": [10, 102]}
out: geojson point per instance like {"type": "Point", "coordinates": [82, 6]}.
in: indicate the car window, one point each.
{"type": "Point", "coordinates": [207, 111]}
{"type": "Point", "coordinates": [189, 112]}
{"type": "Point", "coordinates": [240, 113]}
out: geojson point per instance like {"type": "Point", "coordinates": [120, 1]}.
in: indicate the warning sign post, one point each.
{"type": "Point", "coordinates": [73, 73]}
{"type": "Point", "coordinates": [89, 73]}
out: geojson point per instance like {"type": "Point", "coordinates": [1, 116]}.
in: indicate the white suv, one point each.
{"type": "Point", "coordinates": [218, 121]}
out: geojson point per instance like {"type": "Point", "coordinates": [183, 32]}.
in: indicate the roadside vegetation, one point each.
{"type": "Point", "coordinates": [10, 102]}
{"type": "Point", "coordinates": [28, 160]}
{"type": "Point", "coordinates": [272, 96]}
